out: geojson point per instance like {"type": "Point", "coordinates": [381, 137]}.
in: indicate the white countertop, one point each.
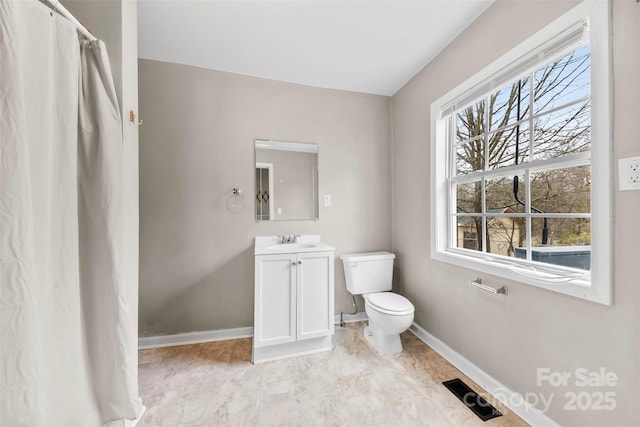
{"type": "Point", "coordinates": [270, 245]}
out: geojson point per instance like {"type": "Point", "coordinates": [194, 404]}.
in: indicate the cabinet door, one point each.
{"type": "Point", "coordinates": [275, 299]}
{"type": "Point", "coordinates": [315, 294]}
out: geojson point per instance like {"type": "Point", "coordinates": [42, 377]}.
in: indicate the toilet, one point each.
{"type": "Point", "coordinates": [370, 274]}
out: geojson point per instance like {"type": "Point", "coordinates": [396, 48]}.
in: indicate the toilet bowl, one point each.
{"type": "Point", "coordinates": [389, 315]}
{"type": "Point", "coordinates": [370, 274]}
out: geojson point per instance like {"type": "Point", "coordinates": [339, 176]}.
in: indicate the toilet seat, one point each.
{"type": "Point", "coordinates": [389, 303]}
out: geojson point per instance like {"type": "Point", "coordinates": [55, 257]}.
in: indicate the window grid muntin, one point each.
{"type": "Point", "coordinates": [582, 158]}
{"type": "Point", "coordinates": [530, 120]}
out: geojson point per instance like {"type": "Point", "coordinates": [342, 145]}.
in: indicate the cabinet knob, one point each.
{"type": "Point", "coordinates": [299, 262]}
{"type": "Point", "coordinates": [293, 263]}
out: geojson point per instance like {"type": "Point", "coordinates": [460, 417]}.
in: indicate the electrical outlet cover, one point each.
{"type": "Point", "coordinates": [629, 173]}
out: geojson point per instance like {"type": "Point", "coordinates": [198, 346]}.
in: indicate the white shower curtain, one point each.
{"type": "Point", "coordinates": [68, 305]}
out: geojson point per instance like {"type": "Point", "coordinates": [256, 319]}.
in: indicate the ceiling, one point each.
{"type": "Point", "coordinates": [356, 45]}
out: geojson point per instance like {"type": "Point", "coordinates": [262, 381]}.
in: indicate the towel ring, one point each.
{"type": "Point", "coordinates": [236, 199]}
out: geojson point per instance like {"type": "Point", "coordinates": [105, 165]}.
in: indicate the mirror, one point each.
{"type": "Point", "coordinates": [286, 181]}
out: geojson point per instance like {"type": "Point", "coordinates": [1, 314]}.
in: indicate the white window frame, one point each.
{"type": "Point", "coordinates": [596, 286]}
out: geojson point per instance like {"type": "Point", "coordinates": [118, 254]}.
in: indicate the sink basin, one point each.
{"type": "Point", "coordinates": [292, 246]}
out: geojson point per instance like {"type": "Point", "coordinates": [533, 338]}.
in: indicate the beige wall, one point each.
{"type": "Point", "coordinates": [197, 143]}
{"type": "Point", "coordinates": [510, 337]}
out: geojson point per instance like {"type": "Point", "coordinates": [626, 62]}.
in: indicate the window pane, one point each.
{"type": "Point", "coordinates": [501, 197]}
{"type": "Point", "coordinates": [468, 231]}
{"type": "Point", "coordinates": [505, 234]}
{"type": "Point", "coordinates": [504, 144]}
{"type": "Point", "coordinates": [469, 197]}
{"type": "Point", "coordinates": [470, 157]}
{"type": "Point", "coordinates": [470, 122]}
{"type": "Point", "coordinates": [565, 190]}
{"type": "Point", "coordinates": [562, 132]}
{"type": "Point", "coordinates": [505, 104]}
{"type": "Point", "coordinates": [562, 231]}
{"type": "Point", "coordinates": [569, 242]}
{"type": "Point", "coordinates": [563, 80]}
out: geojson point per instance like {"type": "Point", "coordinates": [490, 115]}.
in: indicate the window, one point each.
{"type": "Point", "coordinates": [520, 162]}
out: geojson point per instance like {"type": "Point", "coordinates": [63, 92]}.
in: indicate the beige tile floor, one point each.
{"type": "Point", "coordinates": [215, 384]}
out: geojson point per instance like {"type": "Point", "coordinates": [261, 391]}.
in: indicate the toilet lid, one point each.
{"type": "Point", "coordinates": [390, 301]}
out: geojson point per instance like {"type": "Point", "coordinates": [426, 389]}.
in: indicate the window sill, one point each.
{"type": "Point", "coordinates": [559, 281]}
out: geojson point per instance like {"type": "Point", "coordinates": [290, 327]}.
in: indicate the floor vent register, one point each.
{"type": "Point", "coordinates": [478, 405]}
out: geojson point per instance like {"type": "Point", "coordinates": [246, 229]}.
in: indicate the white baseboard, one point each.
{"type": "Point", "coordinates": [193, 337]}
{"type": "Point", "coordinates": [221, 334]}
{"type": "Point", "coordinates": [509, 398]}
{"type": "Point", "coordinates": [360, 316]}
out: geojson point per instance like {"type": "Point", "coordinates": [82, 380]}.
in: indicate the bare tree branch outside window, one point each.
{"type": "Point", "coordinates": [543, 115]}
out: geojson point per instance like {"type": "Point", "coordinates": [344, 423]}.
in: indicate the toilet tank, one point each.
{"type": "Point", "coordinates": [368, 272]}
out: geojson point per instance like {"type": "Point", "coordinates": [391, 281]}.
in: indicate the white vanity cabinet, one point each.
{"type": "Point", "coordinates": [294, 302]}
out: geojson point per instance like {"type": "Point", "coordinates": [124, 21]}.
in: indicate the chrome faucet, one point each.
{"type": "Point", "coordinates": [288, 238]}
